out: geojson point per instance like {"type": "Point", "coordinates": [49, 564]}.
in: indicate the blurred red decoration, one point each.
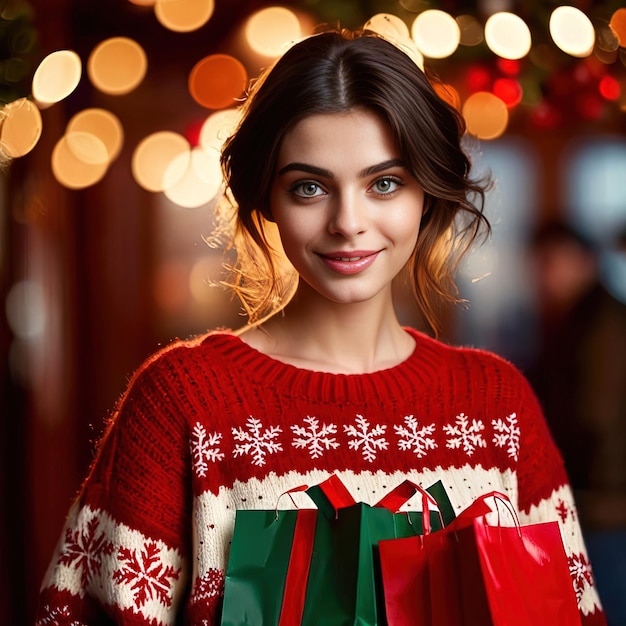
{"type": "Point", "coordinates": [545, 115]}
{"type": "Point", "coordinates": [478, 78]}
{"type": "Point", "coordinates": [609, 88]}
{"type": "Point", "coordinates": [589, 106]}
{"type": "Point", "coordinates": [509, 91]}
{"type": "Point", "coordinates": [509, 67]}
{"type": "Point", "coordinates": [192, 132]}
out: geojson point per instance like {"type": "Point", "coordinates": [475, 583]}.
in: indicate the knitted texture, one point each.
{"type": "Point", "coordinates": [210, 426]}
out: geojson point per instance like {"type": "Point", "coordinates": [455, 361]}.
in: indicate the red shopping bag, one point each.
{"type": "Point", "coordinates": [524, 570]}
{"type": "Point", "coordinates": [405, 573]}
{"type": "Point", "coordinates": [475, 574]}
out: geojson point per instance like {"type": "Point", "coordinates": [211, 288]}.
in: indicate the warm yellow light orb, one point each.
{"type": "Point", "coordinates": [273, 30]}
{"type": "Point", "coordinates": [57, 76]}
{"type": "Point", "coordinates": [152, 160]}
{"type": "Point", "coordinates": [572, 31]}
{"type": "Point", "coordinates": [20, 128]}
{"type": "Point", "coordinates": [184, 16]}
{"type": "Point", "coordinates": [507, 35]}
{"type": "Point", "coordinates": [117, 65]}
{"type": "Point", "coordinates": [486, 115]}
{"type": "Point", "coordinates": [102, 124]}
{"type": "Point", "coordinates": [436, 33]}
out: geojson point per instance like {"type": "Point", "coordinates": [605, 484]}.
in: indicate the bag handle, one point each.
{"type": "Point", "coordinates": [480, 508]}
{"type": "Point", "coordinates": [331, 495]}
{"type": "Point", "coordinates": [500, 497]}
{"type": "Point", "coordinates": [402, 493]}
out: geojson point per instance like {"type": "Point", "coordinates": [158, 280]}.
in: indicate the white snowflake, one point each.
{"type": "Point", "coordinates": [580, 571]}
{"type": "Point", "coordinates": [415, 438]}
{"type": "Point", "coordinates": [257, 442]}
{"type": "Point", "coordinates": [465, 434]}
{"type": "Point", "coordinates": [56, 617]}
{"type": "Point", "coordinates": [369, 440]}
{"type": "Point", "coordinates": [204, 448]}
{"type": "Point", "coordinates": [314, 438]}
{"type": "Point", "coordinates": [507, 435]}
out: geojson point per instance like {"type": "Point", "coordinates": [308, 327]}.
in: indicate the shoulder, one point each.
{"type": "Point", "coordinates": [465, 359]}
{"type": "Point", "coordinates": [183, 361]}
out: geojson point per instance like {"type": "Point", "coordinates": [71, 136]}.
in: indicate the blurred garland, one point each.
{"type": "Point", "coordinates": [18, 44]}
{"type": "Point", "coordinates": [558, 89]}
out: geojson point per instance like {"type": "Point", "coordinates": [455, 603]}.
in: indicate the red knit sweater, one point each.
{"type": "Point", "coordinates": [211, 426]}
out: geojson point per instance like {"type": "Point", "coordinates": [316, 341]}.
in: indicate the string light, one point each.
{"type": "Point", "coordinates": [502, 64]}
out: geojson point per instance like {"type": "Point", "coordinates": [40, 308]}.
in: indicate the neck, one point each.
{"type": "Point", "coordinates": [322, 335]}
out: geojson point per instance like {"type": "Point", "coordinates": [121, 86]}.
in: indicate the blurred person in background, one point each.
{"type": "Point", "coordinates": [579, 375]}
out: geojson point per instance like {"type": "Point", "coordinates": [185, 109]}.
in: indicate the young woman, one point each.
{"type": "Point", "coordinates": [349, 165]}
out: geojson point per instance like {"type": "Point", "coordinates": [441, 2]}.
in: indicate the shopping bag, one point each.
{"type": "Point", "coordinates": [405, 570]}
{"type": "Point", "coordinates": [476, 573]}
{"type": "Point", "coordinates": [525, 571]}
{"type": "Point", "coordinates": [312, 566]}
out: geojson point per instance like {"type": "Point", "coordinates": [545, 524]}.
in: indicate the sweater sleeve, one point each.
{"type": "Point", "coordinates": [545, 495]}
{"type": "Point", "coordinates": [123, 554]}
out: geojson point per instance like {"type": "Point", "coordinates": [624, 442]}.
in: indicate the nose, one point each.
{"type": "Point", "coordinates": [348, 217]}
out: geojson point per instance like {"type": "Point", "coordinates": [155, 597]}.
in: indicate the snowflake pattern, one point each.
{"type": "Point", "coordinates": [84, 549]}
{"type": "Point", "coordinates": [313, 438]}
{"type": "Point", "coordinates": [204, 449]}
{"type": "Point", "coordinates": [507, 435]}
{"type": "Point", "coordinates": [563, 511]}
{"type": "Point", "coordinates": [465, 434]}
{"type": "Point", "coordinates": [318, 437]}
{"type": "Point", "coordinates": [415, 438]}
{"type": "Point", "coordinates": [57, 616]}
{"type": "Point", "coordinates": [257, 442]}
{"type": "Point", "coordinates": [149, 578]}
{"type": "Point", "coordinates": [369, 441]}
{"type": "Point", "coordinates": [209, 587]}
{"type": "Point", "coordinates": [580, 570]}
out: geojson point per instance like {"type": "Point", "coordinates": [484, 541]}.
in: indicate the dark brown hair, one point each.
{"type": "Point", "coordinates": [334, 72]}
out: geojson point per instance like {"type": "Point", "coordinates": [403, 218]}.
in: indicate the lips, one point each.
{"type": "Point", "coordinates": [349, 262]}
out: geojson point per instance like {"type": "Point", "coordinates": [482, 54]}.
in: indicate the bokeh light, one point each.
{"type": "Point", "coordinates": [486, 115]}
{"type": "Point", "coordinates": [507, 35]}
{"type": "Point", "coordinates": [217, 128]}
{"type": "Point", "coordinates": [572, 31]}
{"type": "Point", "coordinates": [79, 160]}
{"type": "Point", "coordinates": [117, 65]}
{"type": "Point", "coordinates": [201, 180]}
{"type": "Point", "coordinates": [618, 26]}
{"type": "Point", "coordinates": [436, 33]}
{"type": "Point", "coordinates": [20, 128]}
{"type": "Point", "coordinates": [609, 88]}
{"type": "Point", "coordinates": [153, 159]}
{"type": "Point", "coordinates": [57, 76]}
{"type": "Point", "coordinates": [102, 124]}
{"type": "Point", "coordinates": [509, 91]}
{"type": "Point", "coordinates": [472, 32]}
{"type": "Point", "coordinates": [25, 310]}
{"type": "Point", "coordinates": [217, 81]}
{"type": "Point", "coordinates": [272, 30]}
{"type": "Point", "coordinates": [390, 26]}
{"type": "Point", "coordinates": [183, 16]}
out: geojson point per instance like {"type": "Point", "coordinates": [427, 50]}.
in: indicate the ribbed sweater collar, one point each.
{"type": "Point", "coordinates": [422, 367]}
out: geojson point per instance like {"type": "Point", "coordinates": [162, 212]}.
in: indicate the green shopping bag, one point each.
{"type": "Point", "coordinates": [319, 566]}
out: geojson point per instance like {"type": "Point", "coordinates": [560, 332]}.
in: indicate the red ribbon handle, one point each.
{"type": "Point", "coordinates": [401, 494]}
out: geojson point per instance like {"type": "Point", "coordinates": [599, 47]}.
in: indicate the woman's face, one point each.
{"type": "Point", "coordinates": [347, 208]}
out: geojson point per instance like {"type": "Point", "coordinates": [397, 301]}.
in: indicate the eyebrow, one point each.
{"type": "Point", "coordinates": [319, 171]}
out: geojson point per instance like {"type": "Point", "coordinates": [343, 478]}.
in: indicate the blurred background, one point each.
{"type": "Point", "coordinates": [111, 118]}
